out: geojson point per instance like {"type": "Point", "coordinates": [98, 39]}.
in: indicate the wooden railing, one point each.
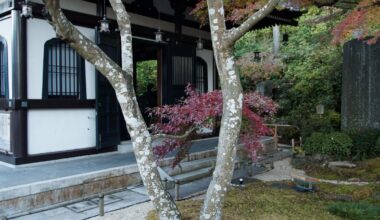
{"type": "Point", "coordinates": [275, 132]}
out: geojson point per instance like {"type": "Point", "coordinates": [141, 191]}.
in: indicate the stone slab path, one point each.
{"type": "Point", "coordinates": [89, 208]}
{"type": "Point", "coordinates": [282, 171]}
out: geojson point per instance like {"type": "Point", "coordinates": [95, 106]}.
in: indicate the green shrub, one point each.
{"type": "Point", "coordinates": [364, 143]}
{"type": "Point", "coordinates": [377, 147]}
{"type": "Point", "coordinates": [355, 211]}
{"type": "Point", "coordinates": [314, 143]}
{"type": "Point", "coordinates": [335, 144]}
{"type": "Point", "coordinates": [328, 122]}
{"type": "Point", "coordinates": [309, 124]}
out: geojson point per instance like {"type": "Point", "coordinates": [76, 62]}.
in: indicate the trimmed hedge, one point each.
{"type": "Point", "coordinates": [364, 143]}
{"type": "Point", "coordinates": [335, 144]}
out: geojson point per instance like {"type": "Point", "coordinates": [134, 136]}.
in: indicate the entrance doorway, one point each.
{"type": "Point", "coordinates": [161, 74]}
{"type": "Point", "coordinates": [147, 72]}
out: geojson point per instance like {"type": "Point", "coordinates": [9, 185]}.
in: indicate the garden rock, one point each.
{"type": "Point", "coordinates": [341, 164]}
{"type": "Point", "coordinates": [320, 158]}
{"type": "Point", "coordinates": [353, 180]}
{"type": "Point", "coordinates": [339, 197]}
{"type": "Point", "coordinates": [376, 195]}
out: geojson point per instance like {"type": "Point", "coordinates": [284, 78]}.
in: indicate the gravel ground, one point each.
{"type": "Point", "coordinates": [135, 212]}
{"type": "Point", "coordinates": [282, 171]}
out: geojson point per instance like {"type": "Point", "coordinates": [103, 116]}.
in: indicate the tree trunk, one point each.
{"type": "Point", "coordinates": [228, 137]}
{"type": "Point", "coordinates": [223, 41]}
{"type": "Point", "coordinates": [121, 80]}
{"type": "Point", "coordinates": [231, 118]}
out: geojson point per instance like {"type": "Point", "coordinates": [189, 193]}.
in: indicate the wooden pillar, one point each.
{"type": "Point", "coordinates": [18, 117]}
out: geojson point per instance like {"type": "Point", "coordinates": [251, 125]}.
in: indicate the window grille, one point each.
{"type": "Point", "coordinates": [3, 68]}
{"type": "Point", "coordinates": [63, 71]}
{"type": "Point", "coordinates": [201, 75]}
{"type": "Point", "coordinates": [182, 70]}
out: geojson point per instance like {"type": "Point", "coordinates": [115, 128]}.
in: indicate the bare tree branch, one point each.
{"type": "Point", "coordinates": [175, 137]}
{"type": "Point", "coordinates": [232, 35]}
{"type": "Point", "coordinates": [122, 82]}
{"type": "Point", "coordinates": [324, 18]}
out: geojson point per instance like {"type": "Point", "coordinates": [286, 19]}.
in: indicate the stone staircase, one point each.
{"type": "Point", "coordinates": [187, 171]}
{"type": "Point", "coordinates": [198, 167]}
{"type": "Point", "coordinates": [125, 147]}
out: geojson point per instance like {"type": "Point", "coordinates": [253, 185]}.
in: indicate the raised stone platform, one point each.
{"type": "Point", "coordinates": [27, 188]}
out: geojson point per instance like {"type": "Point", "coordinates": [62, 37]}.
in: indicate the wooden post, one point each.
{"type": "Point", "coordinates": [101, 204]}
{"type": "Point", "coordinates": [293, 145]}
{"type": "Point", "coordinates": [250, 168]}
{"type": "Point", "coordinates": [166, 184]}
{"type": "Point", "coordinates": [275, 137]}
{"type": "Point", "coordinates": [176, 189]}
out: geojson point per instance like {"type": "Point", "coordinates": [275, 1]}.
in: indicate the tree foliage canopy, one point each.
{"type": "Point", "coordinates": [360, 21]}
{"type": "Point", "coordinates": [311, 73]}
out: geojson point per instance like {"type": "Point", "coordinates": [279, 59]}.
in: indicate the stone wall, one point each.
{"type": "Point", "coordinates": [361, 85]}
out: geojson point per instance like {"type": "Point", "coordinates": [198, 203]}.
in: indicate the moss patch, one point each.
{"type": "Point", "coordinates": [368, 193]}
{"type": "Point", "coordinates": [262, 201]}
{"type": "Point", "coordinates": [368, 170]}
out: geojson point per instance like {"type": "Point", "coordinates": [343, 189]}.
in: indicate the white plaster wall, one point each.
{"type": "Point", "coordinates": [6, 32]}
{"type": "Point", "coordinates": [39, 31]}
{"type": "Point", "coordinates": [56, 130]}
{"type": "Point", "coordinates": [207, 56]}
{"type": "Point", "coordinates": [74, 5]}
{"type": "Point", "coordinates": [60, 130]}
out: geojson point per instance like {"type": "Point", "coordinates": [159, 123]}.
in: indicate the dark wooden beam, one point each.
{"type": "Point", "coordinates": [61, 155]}
{"type": "Point", "coordinates": [179, 8]}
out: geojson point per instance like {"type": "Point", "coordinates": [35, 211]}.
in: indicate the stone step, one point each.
{"type": "Point", "coordinates": [167, 162]}
{"type": "Point", "coordinates": [193, 175]}
{"type": "Point", "coordinates": [188, 166]}
{"type": "Point", "coordinates": [125, 147]}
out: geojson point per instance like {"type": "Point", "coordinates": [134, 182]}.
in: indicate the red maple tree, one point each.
{"type": "Point", "coordinates": [198, 112]}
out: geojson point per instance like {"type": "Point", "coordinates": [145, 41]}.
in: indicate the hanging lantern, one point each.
{"type": "Point", "coordinates": [26, 9]}
{"type": "Point", "coordinates": [200, 44]}
{"type": "Point", "coordinates": [104, 25]}
{"type": "Point", "coordinates": [158, 36]}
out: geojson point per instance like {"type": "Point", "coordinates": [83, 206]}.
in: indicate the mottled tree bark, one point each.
{"type": "Point", "coordinates": [223, 41]}
{"type": "Point", "coordinates": [121, 80]}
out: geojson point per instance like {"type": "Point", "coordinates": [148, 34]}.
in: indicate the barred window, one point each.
{"type": "Point", "coordinates": [201, 75]}
{"type": "Point", "coordinates": [3, 68]}
{"type": "Point", "coordinates": [64, 71]}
